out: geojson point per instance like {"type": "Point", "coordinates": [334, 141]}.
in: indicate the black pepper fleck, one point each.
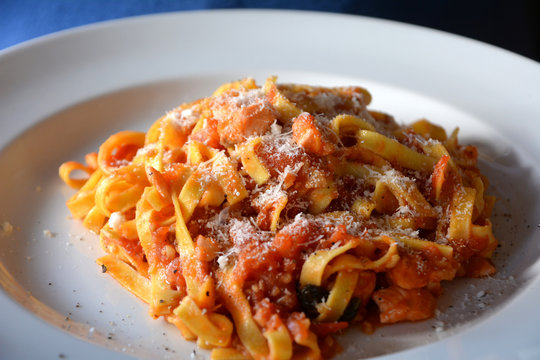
{"type": "Point", "coordinates": [103, 268]}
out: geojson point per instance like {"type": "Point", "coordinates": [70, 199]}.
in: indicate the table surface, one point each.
{"type": "Point", "coordinates": [513, 25]}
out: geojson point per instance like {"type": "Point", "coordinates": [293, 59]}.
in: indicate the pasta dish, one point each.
{"type": "Point", "coordinates": [263, 220]}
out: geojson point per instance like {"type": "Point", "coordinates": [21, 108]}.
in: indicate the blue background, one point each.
{"type": "Point", "coordinates": [514, 25]}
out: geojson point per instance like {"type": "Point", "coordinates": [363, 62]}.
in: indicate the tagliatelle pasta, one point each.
{"type": "Point", "coordinates": [262, 220]}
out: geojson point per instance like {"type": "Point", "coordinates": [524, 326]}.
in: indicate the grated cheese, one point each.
{"type": "Point", "coordinates": [116, 220]}
{"type": "Point", "coordinates": [275, 128]}
{"type": "Point", "coordinates": [184, 119]}
{"type": "Point", "coordinates": [48, 233]}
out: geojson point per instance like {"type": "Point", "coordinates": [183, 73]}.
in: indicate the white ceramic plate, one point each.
{"type": "Point", "coordinates": [62, 95]}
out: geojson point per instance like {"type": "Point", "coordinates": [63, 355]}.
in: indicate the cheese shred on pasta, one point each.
{"type": "Point", "coordinates": [262, 220]}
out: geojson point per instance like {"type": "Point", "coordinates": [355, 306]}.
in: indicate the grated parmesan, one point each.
{"type": "Point", "coordinates": [48, 233]}
{"type": "Point", "coordinates": [116, 220]}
